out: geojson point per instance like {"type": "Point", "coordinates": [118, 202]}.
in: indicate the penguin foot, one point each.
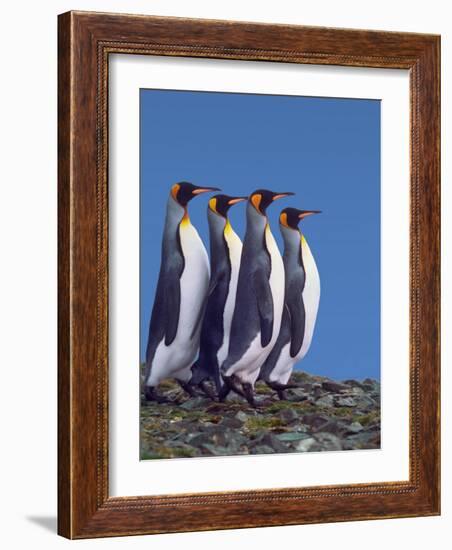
{"type": "Point", "coordinates": [281, 395]}
{"type": "Point", "coordinates": [234, 385]}
{"type": "Point", "coordinates": [151, 394]}
{"type": "Point", "coordinates": [238, 390]}
{"type": "Point", "coordinates": [279, 388]}
{"type": "Point", "coordinates": [188, 388]}
{"type": "Point", "coordinates": [249, 394]}
{"type": "Point", "coordinates": [204, 387]}
{"type": "Point", "coordinates": [224, 392]}
{"type": "Point", "coordinates": [230, 384]}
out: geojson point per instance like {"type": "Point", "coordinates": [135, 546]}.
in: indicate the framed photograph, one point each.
{"type": "Point", "coordinates": [248, 275]}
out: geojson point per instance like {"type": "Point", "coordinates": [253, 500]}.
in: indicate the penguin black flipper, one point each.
{"type": "Point", "coordinates": [297, 322]}
{"type": "Point", "coordinates": [295, 306]}
{"type": "Point", "coordinates": [264, 300]}
{"type": "Point", "coordinates": [210, 341]}
{"type": "Point", "coordinates": [212, 285]}
{"type": "Point", "coordinates": [172, 306]}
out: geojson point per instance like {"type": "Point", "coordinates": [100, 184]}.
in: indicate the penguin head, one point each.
{"type": "Point", "coordinates": [184, 191]}
{"type": "Point", "coordinates": [291, 217]}
{"type": "Point", "coordinates": [261, 199]}
{"type": "Point", "coordinates": [220, 204]}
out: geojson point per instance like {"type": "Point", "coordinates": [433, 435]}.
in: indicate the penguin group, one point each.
{"type": "Point", "coordinates": [246, 314]}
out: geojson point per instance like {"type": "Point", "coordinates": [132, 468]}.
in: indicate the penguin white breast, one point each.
{"type": "Point", "coordinates": [234, 245]}
{"type": "Point", "coordinates": [283, 366]}
{"type": "Point", "coordinates": [194, 281]}
{"type": "Point", "coordinates": [277, 284]}
{"type": "Point", "coordinates": [311, 296]}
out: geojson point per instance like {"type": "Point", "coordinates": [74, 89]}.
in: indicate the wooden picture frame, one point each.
{"type": "Point", "coordinates": [85, 42]}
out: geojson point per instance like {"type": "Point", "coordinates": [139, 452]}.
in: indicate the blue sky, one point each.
{"type": "Point", "coordinates": [326, 150]}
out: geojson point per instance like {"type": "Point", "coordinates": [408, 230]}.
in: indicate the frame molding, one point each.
{"type": "Point", "coordinates": [85, 41]}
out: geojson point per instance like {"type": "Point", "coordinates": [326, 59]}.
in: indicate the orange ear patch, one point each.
{"type": "Point", "coordinates": [174, 190]}
{"type": "Point", "coordinates": [256, 200]}
{"type": "Point", "coordinates": [283, 219]}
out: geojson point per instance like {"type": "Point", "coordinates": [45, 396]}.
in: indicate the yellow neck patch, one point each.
{"type": "Point", "coordinates": [185, 221]}
{"type": "Point", "coordinates": [227, 228]}
{"type": "Point", "coordinates": [213, 205]}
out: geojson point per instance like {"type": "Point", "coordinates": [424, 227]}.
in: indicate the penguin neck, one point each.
{"type": "Point", "coordinates": [256, 223]}
{"type": "Point", "coordinates": [292, 243]}
{"type": "Point", "coordinates": [217, 227]}
{"type": "Point", "coordinates": [175, 216]}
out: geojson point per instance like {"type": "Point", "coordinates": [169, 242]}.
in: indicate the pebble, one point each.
{"type": "Point", "coordinates": [305, 444]}
{"type": "Point", "coordinates": [345, 402]}
{"type": "Point", "coordinates": [334, 387]}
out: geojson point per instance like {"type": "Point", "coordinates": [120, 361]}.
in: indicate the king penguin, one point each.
{"type": "Point", "coordinates": [302, 296]}
{"type": "Point", "coordinates": [183, 281]}
{"type": "Point", "coordinates": [225, 253]}
{"type": "Point", "coordinates": [259, 302]}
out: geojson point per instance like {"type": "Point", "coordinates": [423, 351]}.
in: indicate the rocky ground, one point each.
{"type": "Point", "coordinates": [319, 415]}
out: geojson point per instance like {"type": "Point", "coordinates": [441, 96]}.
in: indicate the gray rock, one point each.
{"type": "Point", "coordinates": [336, 427]}
{"type": "Point", "coordinates": [363, 440]}
{"type": "Point", "coordinates": [317, 391]}
{"type": "Point", "coordinates": [290, 437]}
{"type": "Point", "coordinates": [231, 422]}
{"type": "Point", "coordinates": [263, 400]}
{"type": "Point", "coordinates": [220, 436]}
{"type": "Point", "coordinates": [315, 421]}
{"type": "Point", "coordinates": [301, 376]}
{"type": "Point", "coordinates": [364, 401]}
{"type": "Point", "coordinates": [327, 442]}
{"type": "Point", "coordinates": [345, 402]}
{"type": "Point", "coordinates": [354, 428]}
{"type": "Point", "coordinates": [288, 415]}
{"type": "Point", "coordinates": [325, 401]}
{"type": "Point", "coordinates": [353, 383]}
{"type": "Point", "coordinates": [195, 403]}
{"type": "Point", "coordinates": [215, 450]}
{"type": "Point", "coordinates": [305, 444]}
{"type": "Point", "coordinates": [179, 445]}
{"type": "Point", "coordinates": [297, 394]}
{"type": "Point", "coordinates": [370, 384]}
{"type": "Point", "coordinates": [196, 440]}
{"type": "Point", "coordinates": [356, 390]}
{"type": "Point", "coordinates": [261, 450]}
{"type": "Point", "coordinates": [334, 387]}
{"type": "Point", "coordinates": [235, 440]}
{"type": "Point", "coordinates": [242, 416]}
{"type": "Point", "coordinates": [374, 427]}
{"type": "Point", "coordinates": [301, 428]}
{"type": "Point", "coordinates": [269, 439]}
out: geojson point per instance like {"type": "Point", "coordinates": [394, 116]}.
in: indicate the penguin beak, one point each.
{"type": "Point", "coordinates": [277, 196]}
{"type": "Point", "coordinates": [235, 200]}
{"type": "Point", "coordinates": [305, 213]}
{"type": "Point", "coordinates": [200, 190]}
